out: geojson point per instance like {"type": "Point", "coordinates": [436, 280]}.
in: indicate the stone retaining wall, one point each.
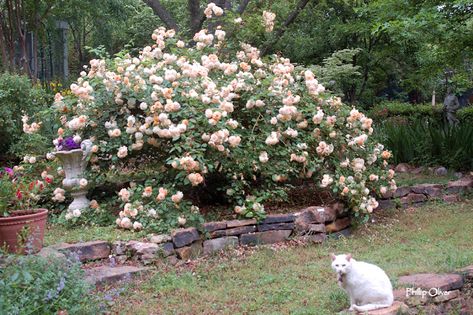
{"type": "Point", "coordinates": [312, 224]}
{"type": "Point", "coordinates": [418, 194]}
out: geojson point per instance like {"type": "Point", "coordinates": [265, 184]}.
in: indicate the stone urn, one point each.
{"type": "Point", "coordinates": [74, 163]}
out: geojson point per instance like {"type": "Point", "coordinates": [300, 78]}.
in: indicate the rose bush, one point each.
{"type": "Point", "coordinates": [200, 111]}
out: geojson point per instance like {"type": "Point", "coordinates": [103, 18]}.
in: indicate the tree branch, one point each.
{"type": "Point", "coordinates": [195, 16]}
{"type": "Point", "coordinates": [162, 13]}
{"type": "Point", "coordinates": [289, 20]}
{"type": "Point", "coordinates": [242, 6]}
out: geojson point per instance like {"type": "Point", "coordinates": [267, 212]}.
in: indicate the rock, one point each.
{"type": "Point", "coordinates": [167, 249]}
{"type": "Point", "coordinates": [218, 244]}
{"type": "Point", "coordinates": [461, 185]}
{"type": "Point", "coordinates": [418, 170]}
{"type": "Point", "coordinates": [268, 237]}
{"type": "Point", "coordinates": [172, 260]}
{"type": "Point", "coordinates": [121, 259]}
{"type": "Point", "coordinates": [427, 281]}
{"type": "Point", "coordinates": [106, 275]}
{"type": "Point", "coordinates": [402, 191]}
{"type": "Point", "coordinates": [467, 271]}
{"type": "Point", "coordinates": [388, 194]}
{"type": "Point", "coordinates": [87, 251]}
{"type": "Point", "coordinates": [307, 217]}
{"type": "Point", "coordinates": [119, 248]}
{"type": "Point", "coordinates": [213, 226]}
{"type": "Point", "coordinates": [402, 168]}
{"type": "Point", "coordinates": [237, 223]}
{"type": "Point", "coordinates": [400, 294]}
{"type": "Point", "coordinates": [396, 308]}
{"type": "Point", "coordinates": [233, 231]}
{"type": "Point", "coordinates": [143, 251]}
{"type": "Point", "coordinates": [279, 218]}
{"type": "Point", "coordinates": [334, 210]}
{"type": "Point", "coordinates": [47, 252]}
{"type": "Point", "coordinates": [316, 228]}
{"type": "Point", "coordinates": [276, 226]}
{"type": "Point", "coordinates": [441, 171]}
{"type": "Point", "coordinates": [340, 234]}
{"type": "Point", "coordinates": [450, 198]}
{"type": "Point", "coordinates": [446, 296]}
{"type": "Point", "coordinates": [338, 225]}
{"type": "Point", "coordinates": [161, 238]}
{"type": "Point", "coordinates": [183, 237]}
{"type": "Point", "coordinates": [190, 252]}
{"type": "Point", "coordinates": [413, 198]}
{"type": "Point", "coordinates": [432, 190]}
{"type": "Point", "coordinates": [385, 204]}
{"type": "Point", "coordinates": [141, 248]}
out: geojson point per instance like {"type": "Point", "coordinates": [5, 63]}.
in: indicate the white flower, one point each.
{"type": "Point", "coordinates": [50, 156]}
{"type": "Point", "coordinates": [83, 182]}
{"type": "Point", "coordinates": [76, 213]}
{"type": "Point", "coordinates": [177, 197]}
{"type": "Point", "coordinates": [126, 223]}
{"type": "Point", "coordinates": [32, 160]}
{"type": "Point", "coordinates": [272, 139]}
{"type": "Point", "coordinates": [122, 152]}
{"type": "Point", "coordinates": [181, 221]}
{"type": "Point", "coordinates": [124, 194]}
{"type": "Point", "coordinates": [358, 165]}
{"type": "Point", "coordinates": [234, 141]}
{"type": "Point", "coordinates": [137, 226]}
{"type": "Point", "coordinates": [326, 181]}
{"type": "Point", "coordinates": [263, 157]}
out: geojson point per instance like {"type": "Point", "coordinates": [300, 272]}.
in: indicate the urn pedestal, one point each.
{"type": "Point", "coordinates": [74, 163]}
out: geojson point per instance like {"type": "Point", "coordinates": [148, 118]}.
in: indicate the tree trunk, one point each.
{"type": "Point", "coordinates": [162, 13]}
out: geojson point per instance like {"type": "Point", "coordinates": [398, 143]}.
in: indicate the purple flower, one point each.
{"type": "Point", "coordinates": [67, 144]}
{"type": "Point", "coordinates": [61, 285]}
{"type": "Point", "coordinates": [9, 171]}
{"type": "Point", "coordinates": [70, 144]}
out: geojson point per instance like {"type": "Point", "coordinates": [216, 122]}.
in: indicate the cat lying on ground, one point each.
{"type": "Point", "coordinates": [367, 285]}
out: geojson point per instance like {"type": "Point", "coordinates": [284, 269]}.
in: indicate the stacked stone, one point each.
{"type": "Point", "coordinates": [418, 194]}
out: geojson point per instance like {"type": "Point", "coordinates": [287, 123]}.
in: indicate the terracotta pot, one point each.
{"type": "Point", "coordinates": [23, 224]}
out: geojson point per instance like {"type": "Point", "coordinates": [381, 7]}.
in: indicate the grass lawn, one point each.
{"type": "Point", "coordinates": [298, 280]}
{"type": "Point", "coordinates": [409, 179]}
{"type": "Point", "coordinates": [56, 233]}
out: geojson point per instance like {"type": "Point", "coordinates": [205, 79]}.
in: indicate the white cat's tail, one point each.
{"type": "Point", "coordinates": [369, 307]}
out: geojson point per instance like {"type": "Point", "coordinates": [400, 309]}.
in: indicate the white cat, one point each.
{"type": "Point", "coordinates": [367, 285]}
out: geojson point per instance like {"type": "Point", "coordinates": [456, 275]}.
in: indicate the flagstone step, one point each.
{"type": "Point", "coordinates": [108, 275]}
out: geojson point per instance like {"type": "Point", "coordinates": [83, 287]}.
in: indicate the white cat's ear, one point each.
{"type": "Point", "coordinates": [348, 257]}
{"type": "Point", "coordinates": [332, 255]}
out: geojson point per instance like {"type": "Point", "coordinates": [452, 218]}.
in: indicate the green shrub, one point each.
{"type": "Point", "coordinates": [18, 96]}
{"type": "Point", "coordinates": [407, 111]}
{"type": "Point", "coordinates": [429, 142]}
{"type": "Point", "coordinates": [36, 285]}
{"type": "Point", "coordinates": [465, 115]}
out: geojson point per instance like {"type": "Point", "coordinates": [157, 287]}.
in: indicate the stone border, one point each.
{"type": "Point", "coordinates": [311, 224]}
{"type": "Point", "coordinates": [421, 193]}
{"type": "Point", "coordinates": [437, 293]}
